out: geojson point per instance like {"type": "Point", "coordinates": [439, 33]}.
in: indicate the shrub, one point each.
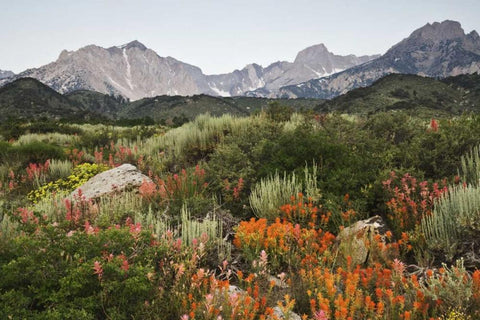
{"type": "Point", "coordinates": [454, 221]}
{"type": "Point", "coordinates": [288, 246]}
{"type": "Point", "coordinates": [453, 286]}
{"type": "Point", "coordinates": [193, 141]}
{"type": "Point", "coordinates": [410, 201]}
{"type": "Point", "coordinates": [55, 138]}
{"type": "Point", "coordinates": [35, 152]}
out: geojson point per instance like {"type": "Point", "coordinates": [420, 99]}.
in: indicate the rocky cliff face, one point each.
{"type": "Point", "coordinates": [134, 71]}
{"type": "Point", "coordinates": [436, 50]}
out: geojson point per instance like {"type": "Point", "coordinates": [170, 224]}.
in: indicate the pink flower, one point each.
{"type": "Point", "coordinates": [320, 315]}
{"type": "Point", "coordinates": [125, 266]}
{"type": "Point", "coordinates": [97, 269]}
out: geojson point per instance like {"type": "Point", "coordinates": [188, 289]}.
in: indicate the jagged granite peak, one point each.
{"type": "Point", "coordinates": [432, 37]}
{"type": "Point", "coordinates": [474, 37]}
{"type": "Point", "coordinates": [435, 50]}
{"type": "Point", "coordinates": [134, 44]}
{"type": "Point", "coordinates": [312, 53]}
{"type": "Point", "coordinates": [6, 74]}
{"type": "Point", "coordinates": [131, 70]}
{"type": "Point", "coordinates": [439, 31]}
{"type": "Point", "coordinates": [313, 62]}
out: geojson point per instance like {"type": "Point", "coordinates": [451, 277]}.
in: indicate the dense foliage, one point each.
{"type": "Point", "coordinates": [235, 201]}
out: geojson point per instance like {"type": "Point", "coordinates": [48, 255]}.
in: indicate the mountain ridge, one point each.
{"type": "Point", "coordinates": [28, 99]}
{"type": "Point", "coordinates": [435, 50]}
{"type": "Point", "coordinates": [135, 71]}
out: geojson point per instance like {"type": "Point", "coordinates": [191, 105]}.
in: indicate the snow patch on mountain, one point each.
{"type": "Point", "coordinates": [217, 91]}
{"type": "Point", "coordinates": [129, 69]}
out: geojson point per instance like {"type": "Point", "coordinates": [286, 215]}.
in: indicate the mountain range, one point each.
{"type": "Point", "coordinates": [133, 71]}
{"type": "Point", "coordinates": [435, 50]}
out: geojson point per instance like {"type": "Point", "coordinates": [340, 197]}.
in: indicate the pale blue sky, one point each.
{"type": "Point", "coordinates": [217, 36]}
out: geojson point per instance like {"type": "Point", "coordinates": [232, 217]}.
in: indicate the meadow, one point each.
{"type": "Point", "coordinates": [242, 218]}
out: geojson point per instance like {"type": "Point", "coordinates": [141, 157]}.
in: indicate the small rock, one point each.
{"type": "Point", "coordinates": [290, 316]}
{"type": "Point", "coordinates": [354, 240]}
{"type": "Point", "coordinates": [278, 282]}
{"type": "Point", "coordinates": [234, 289]}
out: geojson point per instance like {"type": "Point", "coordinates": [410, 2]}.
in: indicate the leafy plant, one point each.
{"type": "Point", "coordinates": [453, 220]}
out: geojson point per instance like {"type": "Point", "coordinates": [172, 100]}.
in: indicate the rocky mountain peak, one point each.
{"type": "Point", "coordinates": [439, 31]}
{"type": "Point", "coordinates": [6, 74]}
{"type": "Point", "coordinates": [64, 54]}
{"type": "Point", "coordinates": [474, 35]}
{"type": "Point", "coordinates": [313, 53]}
{"type": "Point", "coordinates": [474, 41]}
{"type": "Point", "coordinates": [439, 49]}
{"type": "Point", "coordinates": [432, 39]}
{"type": "Point", "coordinates": [134, 44]}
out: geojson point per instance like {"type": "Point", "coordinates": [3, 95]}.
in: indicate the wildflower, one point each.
{"type": "Point", "coordinates": [97, 269]}
{"type": "Point", "coordinates": [125, 266]}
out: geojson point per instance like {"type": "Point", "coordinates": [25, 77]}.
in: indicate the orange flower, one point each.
{"type": "Point", "coordinates": [476, 285]}
{"type": "Point", "coordinates": [380, 308]}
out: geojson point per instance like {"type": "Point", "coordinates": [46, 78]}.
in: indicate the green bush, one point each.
{"type": "Point", "coordinates": [59, 281]}
{"type": "Point", "coordinates": [37, 152]}
{"type": "Point", "coordinates": [454, 224]}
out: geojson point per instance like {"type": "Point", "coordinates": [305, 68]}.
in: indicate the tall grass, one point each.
{"type": "Point", "coordinates": [52, 138]}
{"type": "Point", "coordinates": [311, 182]}
{"type": "Point", "coordinates": [8, 228]}
{"type": "Point", "coordinates": [202, 133]}
{"type": "Point", "coordinates": [195, 229]}
{"type": "Point", "coordinates": [52, 206]}
{"type": "Point", "coordinates": [116, 208]}
{"type": "Point", "coordinates": [60, 169]}
{"type": "Point", "coordinates": [154, 220]}
{"type": "Point", "coordinates": [105, 211]}
{"type": "Point", "coordinates": [210, 227]}
{"type": "Point", "coordinates": [272, 192]}
{"type": "Point", "coordinates": [296, 119]}
{"type": "Point", "coordinates": [470, 166]}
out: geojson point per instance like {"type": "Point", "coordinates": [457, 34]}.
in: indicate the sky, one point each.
{"type": "Point", "coordinates": [217, 36]}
